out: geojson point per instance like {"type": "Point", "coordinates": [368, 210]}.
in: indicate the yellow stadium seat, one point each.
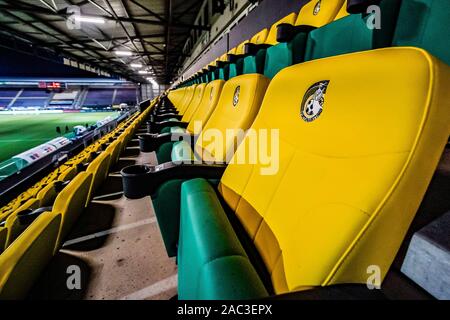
{"type": "Point", "coordinates": [245, 94]}
{"type": "Point", "coordinates": [323, 12]}
{"type": "Point", "coordinates": [47, 195]}
{"type": "Point", "coordinates": [193, 105]}
{"type": "Point", "coordinates": [207, 105]}
{"type": "Point", "coordinates": [115, 154]}
{"type": "Point", "coordinates": [14, 225]}
{"type": "Point", "coordinates": [350, 176]}
{"type": "Point", "coordinates": [187, 99]}
{"type": "Point", "coordinates": [68, 174]}
{"type": "Point", "coordinates": [71, 202]}
{"type": "Point", "coordinates": [99, 169]}
{"type": "Point", "coordinates": [342, 12]}
{"type": "Point", "coordinates": [23, 261]}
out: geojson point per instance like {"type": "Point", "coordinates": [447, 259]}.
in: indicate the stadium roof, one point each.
{"type": "Point", "coordinates": [155, 31]}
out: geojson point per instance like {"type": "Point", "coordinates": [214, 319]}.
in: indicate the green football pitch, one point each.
{"type": "Point", "coordinates": [19, 133]}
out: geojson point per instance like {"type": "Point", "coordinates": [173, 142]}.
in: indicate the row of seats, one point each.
{"type": "Point", "coordinates": [33, 231]}
{"type": "Point", "coordinates": [360, 136]}
{"type": "Point", "coordinates": [313, 34]}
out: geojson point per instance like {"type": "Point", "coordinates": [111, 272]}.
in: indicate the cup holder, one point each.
{"type": "Point", "coordinates": [135, 170]}
{"type": "Point", "coordinates": [134, 181]}
{"type": "Point", "coordinates": [146, 143]}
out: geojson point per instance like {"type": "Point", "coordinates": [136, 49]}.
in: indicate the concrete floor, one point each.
{"type": "Point", "coordinates": [117, 246]}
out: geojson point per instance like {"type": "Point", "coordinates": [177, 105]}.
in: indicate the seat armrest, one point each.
{"type": "Point", "coordinates": [165, 116]}
{"type": "Point", "coordinates": [220, 64]}
{"type": "Point", "coordinates": [26, 217]}
{"type": "Point", "coordinates": [156, 127]}
{"type": "Point", "coordinates": [232, 58]}
{"type": "Point", "coordinates": [252, 49]}
{"type": "Point", "coordinates": [140, 180]}
{"type": "Point", "coordinates": [152, 141]}
{"type": "Point", "coordinates": [286, 32]}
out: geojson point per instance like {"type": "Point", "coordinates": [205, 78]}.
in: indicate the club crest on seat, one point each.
{"type": "Point", "coordinates": [236, 96]}
{"type": "Point", "coordinates": [312, 104]}
{"type": "Point", "coordinates": [317, 7]}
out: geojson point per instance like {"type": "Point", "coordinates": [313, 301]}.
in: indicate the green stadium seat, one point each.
{"type": "Point", "coordinates": [235, 61]}
{"type": "Point", "coordinates": [344, 171]}
{"type": "Point", "coordinates": [328, 41]}
{"type": "Point", "coordinates": [250, 91]}
{"type": "Point", "coordinates": [254, 61]}
{"type": "Point", "coordinates": [220, 72]}
{"type": "Point", "coordinates": [420, 24]}
{"type": "Point", "coordinates": [404, 23]}
{"type": "Point", "coordinates": [291, 49]}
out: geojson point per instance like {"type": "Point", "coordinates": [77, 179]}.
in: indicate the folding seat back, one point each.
{"type": "Point", "coordinates": [187, 98]}
{"type": "Point", "coordinates": [71, 202]}
{"type": "Point", "coordinates": [342, 12]}
{"type": "Point", "coordinates": [23, 261]}
{"type": "Point", "coordinates": [319, 13]}
{"type": "Point", "coordinates": [68, 174]}
{"type": "Point", "coordinates": [272, 35]}
{"type": "Point", "coordinates": [236, 109]}
{"type": "Point", "coordinates": [206, 106]}
{"type": "Point", "coordinates": [352, 171]}
{"type": "Point", "coordinates": [260, 37]}
{"type": "Point", "coordinates": [127, 135]}
{"type": "Point", "coordinates": [6, 212]}
{"type": "Point", "coordinates": [99, 170]}
{"type": "Point", "coordinates": [112, 150]}
{"type": "Point", "coordinates": [193, 105]}
{"type": "Point", "coordinates": [313, 14]}
{"type": "Point", "coordinates": [47, 194]}
{"type": "Point", "coordinates": [424, 24]}
{"type": "Point", "coordinates": [3, 236]}
{"type": "Point", "coordinates": [176, 97]}
{"type": "Point", "coordinates": [115, 155]}
{"type": "Point", "coordinates": [14, 225]}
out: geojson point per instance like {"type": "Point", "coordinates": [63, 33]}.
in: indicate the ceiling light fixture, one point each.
{"type": "Point", "coordinates": [124, 53]}
{"type": "Point", "coordinates": [136, 65]}
{"type": "Point", "coordinates": [89, 19]}
{"type": "Point", "coordinates": [143, 72]}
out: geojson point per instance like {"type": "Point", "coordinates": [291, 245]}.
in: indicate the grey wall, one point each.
{"type": "Point", "coordinates": [263, 16]}
{"type": "Point", "coordinates": [267, 13]}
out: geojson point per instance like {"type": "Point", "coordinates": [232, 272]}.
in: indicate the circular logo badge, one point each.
{"type": "Point", "coordinates": [313, 100]}
{"type": "Point", "coordinates": [317, 7]}
{"type": "Point", "coordinates": [236, 96]}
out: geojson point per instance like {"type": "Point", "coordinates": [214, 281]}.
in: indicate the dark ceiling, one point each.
{"type": "Point", "coordinates": [155, 31]}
